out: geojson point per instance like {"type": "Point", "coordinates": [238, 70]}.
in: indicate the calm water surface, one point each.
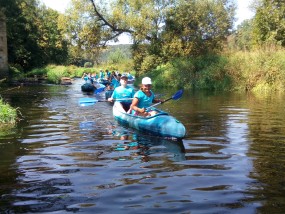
{"type": "Point", "coordinates": [65, 158]}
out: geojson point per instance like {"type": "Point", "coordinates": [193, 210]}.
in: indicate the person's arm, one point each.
{"type": "Point", "coordinates": [156, 100]}
{"type": "Point", "coordinates": [134, 106]}
{"type": "Point", "coordinates": [111, 99]}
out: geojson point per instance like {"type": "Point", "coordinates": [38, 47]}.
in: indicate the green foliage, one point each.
{"type": "Point", "coordinates": [83, 32]}
{"type": "Point", "coordinates": [34, 39]}
{"type": "Point", "coordinates": [38, 72]}
{"type": "Point", "coordinates": [204, 72]}
{"type": "Point", "coordinates": [88, 65]}
{"type": "Point", "coordinates": [51, 39]}
{"type": "Point", "coordinates": [55, 74]}
{"type": "Point", "coordinates": [150, 62]}
{"type": "Point", "coordinates": [8, 115]}
{"type": "Point", "coordinates": [123, 66]}
{"type": "Point", "coordinates": [261, 70]}
{"type": "Point", "coordinates": [196, 28]}
{"type": "Point", "coordinates": [116, 57]}
{"type": "Point", "coordinates": [269, 22]}
{"type": "Point", "coordinates": [123, 52]}
{"type": "Point", "coordinates": [164, 30]}
{"type": "Point", "coordinates": [16, 72]}
{"type": "Point", "coordinates": [242, 38]}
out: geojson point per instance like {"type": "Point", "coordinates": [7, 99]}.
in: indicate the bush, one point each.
{"type": "Point", "coordinates": [8, 115]}
{"type": "Point", "coordinates": [204, 72]}
{"type": "Point", "coordinates": [259, 70]}
{"type": "Point", "coordinates": [55, 74]}
{"type": "Point", "coordinates": [88, 65]}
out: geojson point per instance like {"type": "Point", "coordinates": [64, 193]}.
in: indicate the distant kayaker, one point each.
{"type": "Point", "coordinates": [123, 92]}
{"type": "Point", "coordinates": [143, 99]}
{"type": "Point", "coordinates": [101, 74]}
{"type": "Point", "coordinates": [84, 76]}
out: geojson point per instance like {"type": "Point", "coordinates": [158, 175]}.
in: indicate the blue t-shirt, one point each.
{"type": "Point", "coordinates": [115, 83]}
{"type": "Point", "coordinates": [108, 74]}
{"type": "Point", "coordinates": [144, 100]}
{"type": "Point", "coordinates": [121, 93]}
{"type": "Point", "coordinates": [101, 74]}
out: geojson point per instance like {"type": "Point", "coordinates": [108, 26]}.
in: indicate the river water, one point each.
{"type": "Point", "coordinates": [65, 158]}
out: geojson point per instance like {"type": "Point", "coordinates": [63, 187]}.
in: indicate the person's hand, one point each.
{"type": "Point", "coordinates": [110, 99]}
{"type": "Point", "coordinates": [142, 110]}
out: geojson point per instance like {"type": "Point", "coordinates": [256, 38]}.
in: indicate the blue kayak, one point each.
{"type": "Point", "coordinates": [161, 124]}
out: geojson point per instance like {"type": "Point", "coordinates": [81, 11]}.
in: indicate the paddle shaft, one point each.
{"type": "Point", "coordinates": [91, 101]}
{"type": "Point", "coordinates": [176, 96]}
{"type": "Point", "coordinates": [159, 103]}
{"type": "Point", "coordinates": [115, 100]}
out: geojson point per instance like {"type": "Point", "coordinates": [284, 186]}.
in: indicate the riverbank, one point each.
{"type": "Point", "coordinates": [261, 70]}
{"type": "Point", "coordinates": [8, 114]}
{"type": "Point", "coordinates": [256, 71]}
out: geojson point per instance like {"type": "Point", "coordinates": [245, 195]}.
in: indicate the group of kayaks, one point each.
{"type": "Point", "coordinates": [161, 124]}
{"type": "Point", "coordinates": [89, 87]}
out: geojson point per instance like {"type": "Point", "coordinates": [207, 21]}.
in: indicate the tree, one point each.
{"type": "Point", "coordinates": [243, 36]}
{"type": "Point", "coordinates": [197, 27]}
{"type": "Point", "coordinates": [170, 28]}
{"type": "Point", "coordinates": [51, 39]}
{"type": "Point", "coordinates": [21, 32]}
{"type": "Point", "coordinates": [33, 37]}
{"type": "Point", "coordinates": [83, 32]}
{"type": "Point", "coordinates": [269, 22]}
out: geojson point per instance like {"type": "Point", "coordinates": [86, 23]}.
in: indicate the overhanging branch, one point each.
{"type": "Point", "coordinates": [114, 28]}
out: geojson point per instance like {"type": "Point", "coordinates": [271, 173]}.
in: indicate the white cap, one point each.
{"type": "Point", "coordinates": [146, 81]}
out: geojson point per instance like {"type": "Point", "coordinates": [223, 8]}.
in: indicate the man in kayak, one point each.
{"type": "Point", "coordinates": [123, 93]}
{"type": "Point", "coordinates": [143, 99]}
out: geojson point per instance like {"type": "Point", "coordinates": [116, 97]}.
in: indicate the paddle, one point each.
{"type": "Point", "coordinates": [99, 90]}
{"type": "Point", "coordinates": [86, 101]}
{"type": "Point", "coordinates": [176, 96]}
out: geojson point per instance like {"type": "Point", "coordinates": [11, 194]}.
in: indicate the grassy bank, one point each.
{"type": "Point", "coordinates": [257, 71]}
{"type": "Point", "coordinates": [54, 73]}
{"type": "Point", "coordinates": [8, 115]}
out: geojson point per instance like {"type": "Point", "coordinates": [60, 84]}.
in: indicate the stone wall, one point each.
{"type": "Point", "coordinates": [3, 48]}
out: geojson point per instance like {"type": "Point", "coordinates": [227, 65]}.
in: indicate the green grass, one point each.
{"type": "Point", "coordinates": [8, 115]}
{"type": "Point", "coordinates": [259, 71]}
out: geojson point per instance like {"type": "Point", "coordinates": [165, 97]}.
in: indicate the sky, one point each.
{"type": "Point", "coordinates": [242, 13]}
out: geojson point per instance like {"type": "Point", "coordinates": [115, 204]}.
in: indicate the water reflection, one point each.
{"type": "Point", "coordinates": [143, 147]}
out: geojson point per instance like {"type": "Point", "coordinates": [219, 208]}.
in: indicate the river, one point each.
{"type": "Point", "coordinates": [64, 158]}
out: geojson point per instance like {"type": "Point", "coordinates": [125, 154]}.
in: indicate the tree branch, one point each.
{"type": "Point", "coordinates": [114, 28]}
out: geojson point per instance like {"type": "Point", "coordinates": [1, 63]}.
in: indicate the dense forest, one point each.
{"type": "Point", "coordinates": [193, 42]}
